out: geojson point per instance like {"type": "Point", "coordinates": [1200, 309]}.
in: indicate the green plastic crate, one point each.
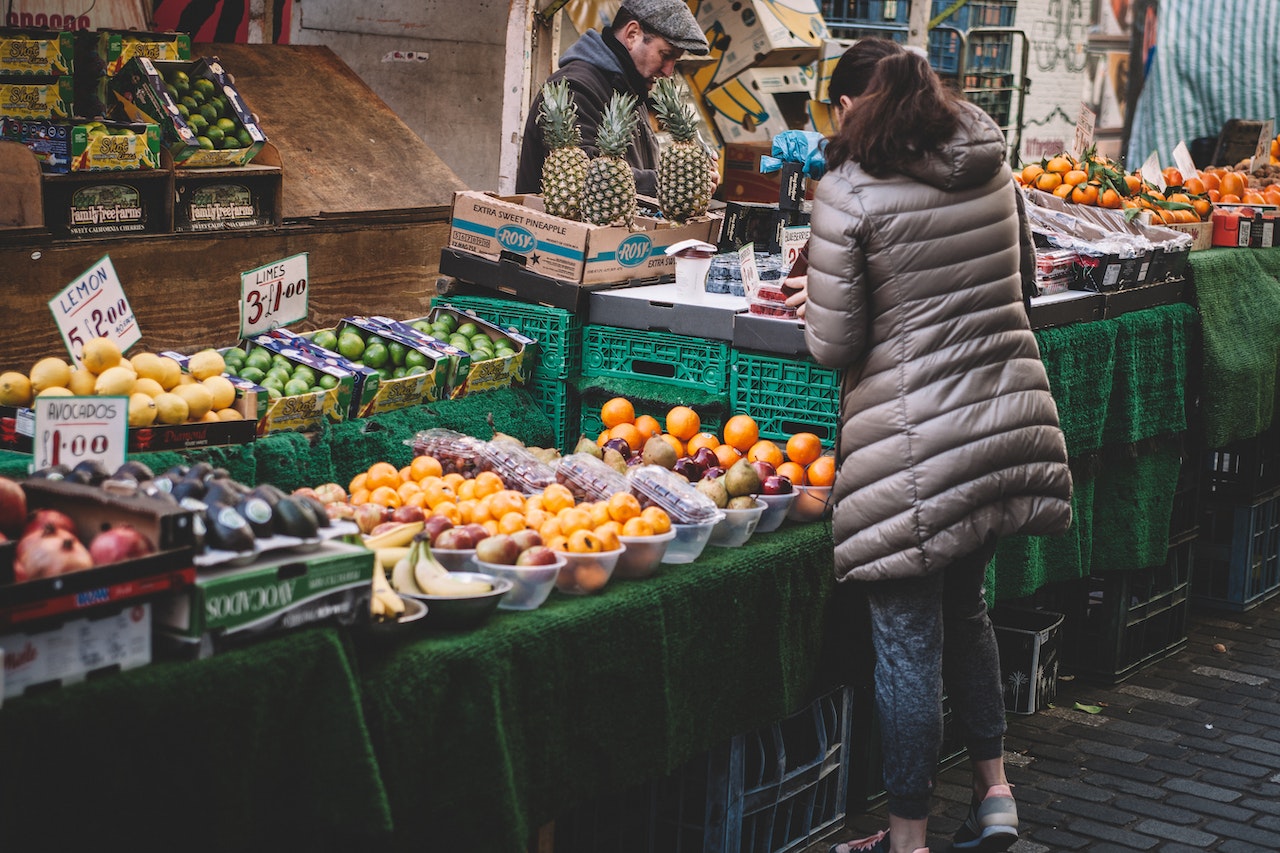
{"type": "Point", "coordinates": [561, 403]}
{"type": "Point", "coordinates": [786, 396]}
{"type": "Point", "coordinates": [557, 331]}
{"type": "Point", "coordinates": [655, 356]}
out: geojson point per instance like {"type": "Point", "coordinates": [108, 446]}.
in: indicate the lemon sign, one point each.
{"type": "Point", "coordinates": [94, 306]}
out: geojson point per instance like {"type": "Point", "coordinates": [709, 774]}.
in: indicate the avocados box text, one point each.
{"type": "Point", "coordinates": [277, 592]}
{"type": "Point", "coordinates": [516, 227]}
{"type": "Point", "coordinates": [72, 146]}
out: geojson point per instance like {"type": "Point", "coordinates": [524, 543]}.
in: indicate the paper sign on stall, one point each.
{"type": "Point", "coordinates": [1151, 172]}
{"type": "Point", "coordinates": [1084, 131]}
{"type": "Point", "coordinates": [1182, 159]}
{"type": "Point", "coordinates": [794, 239]}
{"type": "Point", "coordinates": [750, 272]}
{"type": "Point", "coordinates": [71, 430]}
{"type": "Point", "coordinates": [273, 295]}
{"type": "Point", "coordinates": [94, 306]}
{"type": "Point", "coordinates": [1262, 153]}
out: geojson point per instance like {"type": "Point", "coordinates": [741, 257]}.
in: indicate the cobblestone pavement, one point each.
{"type": "Point", "coordinates": [1183, 755]}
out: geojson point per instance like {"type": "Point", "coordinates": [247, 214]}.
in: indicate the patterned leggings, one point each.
{"type": "Point", "coordinates": [908, 620]}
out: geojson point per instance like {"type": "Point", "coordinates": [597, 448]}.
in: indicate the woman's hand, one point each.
{"type": "Point", "coordinates": [799, 285]}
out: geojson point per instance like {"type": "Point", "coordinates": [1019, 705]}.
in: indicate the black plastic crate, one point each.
{"type": "Point", "coordinates": [1246, 471]}
{"type": "Point", "coordinates": [1238, 556]}
{"type": "Point", "coordinates": [1184, 521]}
{"type": "Point", "coordinates": [1119, 622]}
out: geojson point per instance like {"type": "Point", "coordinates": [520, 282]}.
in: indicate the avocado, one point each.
{"type": "Point", "coordinates": [293, 520]}
{"type": "Point", "coordinates": [227, 529]}
{"type": "Point", "coordinates": [258, 513]}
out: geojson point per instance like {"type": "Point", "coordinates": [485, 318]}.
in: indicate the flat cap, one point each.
{"type": "Point", "coordinates": [672, 20]}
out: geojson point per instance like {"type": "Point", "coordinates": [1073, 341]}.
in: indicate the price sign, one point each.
{"type": "Point", "coordinates": [71, 430]}
{"type": "Point", "coordinates": [794, 239]}
{"type": "Point", "coordinates": [1182, 159]}
{"type": "Point", "coordinates": [273, 295]}
{"type": "Point", "coordinates": [1262, 153]}
{"type": "Point", "coordinates": [1151, 171]}
{"type": "Point", "coordinates": [1084, 131]}
{"type": "Point", "coordinates": [94, 306]}
{"type": "Point", "coordinates": [750, 272]}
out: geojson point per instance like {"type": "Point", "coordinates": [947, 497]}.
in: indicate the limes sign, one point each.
{"type": "Point", "coordinates": [71, 430]}
{"type": "Point", "coordinates": [273, 295]}
{"type": "Point", "coordinates": [94, 306]}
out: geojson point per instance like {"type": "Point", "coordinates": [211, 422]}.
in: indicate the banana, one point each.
{"type": "Point", "coordinates": [396, 537]}
{"type": "Point", "coordinates": [426, 567]}
{"type": "Point", "coordinates": [402, 579]}
{"type": "Point", "coordinates": [388, 557]}
{"type": "Point", "coordinates": [384, 601]}
{"type": "Point", "coordinates": [451, 587]}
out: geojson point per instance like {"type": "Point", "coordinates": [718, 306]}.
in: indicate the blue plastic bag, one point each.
{"type": "Point", "coordinates": [805, 147]}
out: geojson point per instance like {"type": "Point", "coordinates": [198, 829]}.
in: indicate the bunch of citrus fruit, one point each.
{"type": "Point", "coordinates": [206, 111]}
{"type": "Point", "coordinates": [1094, 179]}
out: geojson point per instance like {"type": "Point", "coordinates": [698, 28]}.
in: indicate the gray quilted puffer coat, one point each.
{"type": "Point", "coordinates": [948, 432]}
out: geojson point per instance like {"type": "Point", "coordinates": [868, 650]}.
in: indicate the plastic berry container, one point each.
{"type": "Point", "coordinates": [655, 485]}
{"type": "Point", "coordinates": [770, 301]}
{"type": "Point", "coordinates": [518, 468]}
{"type": "Point", "coordinates": [589, 478]}
{"type": "Point", "coordinates": [456, 453]}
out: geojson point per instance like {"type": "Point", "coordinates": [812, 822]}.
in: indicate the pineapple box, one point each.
{"type": "Point", "coordinates": [36, 53]}
{"type": "Point", "coordinates": [746, 33]}
{"type": "Point", "coordinates": [519, 230]}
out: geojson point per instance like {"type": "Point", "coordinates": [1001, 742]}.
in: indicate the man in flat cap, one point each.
{"type": "Point", "coordinates": [641, 45]}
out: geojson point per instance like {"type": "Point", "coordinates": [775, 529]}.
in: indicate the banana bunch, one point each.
{"type": "Point", "coordinates": [384, 603]}
{"type": "Point", "coordinates": [420, 573]}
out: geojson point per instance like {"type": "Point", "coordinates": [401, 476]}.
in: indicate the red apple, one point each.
{"type": "Point", "coordinates": [526, 539]}
{"type": "Point", "coordinates": [498, 548]}
{"type": "Point", "coordinates": [713, 472]}
{"type": "Point", "coordinates": [13, 507]}
{"type": "Point", "coordinates": [775, 485]}
{"type": "Point", "coordinates": [764, 469]}
{"type": "Point", "coordinates": [434, 525]}
{"type": "Point", "coordinates": [44, 517]}
{"type": "Point", "coordinates": [454, 539]}
{"type": "Point", "coordinates": [706, 457]}
{"type": "Point", "coordinates": [538, 555]}
{"type": "Point", "coordinates": [476, 531]}
{"type": "Point", "coordinates": [407, 513]}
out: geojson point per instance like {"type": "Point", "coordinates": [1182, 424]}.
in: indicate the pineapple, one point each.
{"type": "Point", "coordinates": [609, 197]}
{"type": "Point", "coordinates": [565, 169]}
{"type": "Point", "coordinates": [684, 169]}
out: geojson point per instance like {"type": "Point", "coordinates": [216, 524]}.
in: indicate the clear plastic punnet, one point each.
{"type": "Point", "coordinates": [653, 484]}
{"type": "Point", "coordinates": [589, 478]}
{"type": "Point", "coordinates": [518, 468]}
{"type": "Point", "coordinates": [456, 453]}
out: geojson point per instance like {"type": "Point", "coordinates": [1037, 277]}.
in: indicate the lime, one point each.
{"type": "Point", "coordinates": [296, 388]}
{"type": "Point", "coordinates": [414, 358]}
{"type": "Point", "coordinates": [246, 139]}
{"type": "Point", "coordinates": [219, 104]}
{"type": "Point", "coordinates": [278, 360]}
{"type": "Point", "coordinates": [180, 80]}
{"type": "Point", "coordinates": [316, 389]}
{"type": "Point", "coordinates": [229, 142]}
{"type": "Point", "coordinates": [460, 342]}
{"type": "Point", "coordinates": [204, 86]}
{"type": "Point", "coordinates": [234, 353]}
{"type": "Point", "coordinates": [210, 112]}
{"type": "Point", "coordinates": [252, 374]}
{"type": "Point", "coordinates": [350, 344]}
{"type": "Point", "coordinates": [227, 125]}
{"type": "Point", "coordinates": [272, 382]}
{"type": "Point", "coordinates": [398, 373]}
{"type": "Point", "coordinates": [259, 358]}
{"type": "Point", "coordinates": [376, 354]}
{"type": "Point", "coordinates": [303, 371]}
{"type": "Point", "coordinates": [325, 338]}
{"type": "Point", "coordinates": [327, 381]}
{"type": "Point", "coordinates": [449, 321]}
{"type": "Point", "coordinates": [190, 103]}
{"type": "Point", "coordinates": [273, 393]}
{"type": "Point", "coordinates": [184, 112]}
{"type": "Point", "coordinates": [396, 351]}
{"type": "Point", "coordinates": [415, 371]}
{"type": "Point", "coordinates": [481, 355]}
{"type": "Point", "coordinates": [172, 91]}
{"type": "Point", "coordinates": [281, 373]}
{"type": "Point", "coordinates": [422, 326]}
{"type": "Point", "coordinates": [467, 329]}
{"type": "Point", "coordinates": [205, 142]}
{"type": "Point", "coordinates": [214, 133]}
{"type": "Point", "coordinates": [385, 375]}
{"type": "Point", "coordinates": [198, 122]}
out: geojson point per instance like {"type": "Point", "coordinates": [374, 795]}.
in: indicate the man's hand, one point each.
{"type": "Point", "coordinates": [715, 168]}
{"type": "Point", "coordinates": [797, 300]}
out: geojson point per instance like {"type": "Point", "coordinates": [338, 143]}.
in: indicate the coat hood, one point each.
{"type": "Point", "coordinates": [972, 157]}
{"type": "Point", "coordinates": [591, 48]}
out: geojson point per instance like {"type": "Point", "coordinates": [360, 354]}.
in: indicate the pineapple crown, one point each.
{"type": "Point", "coordinates": [674, 114]}
{"type": "Point", "coordinates": [558, 116]}
{"type": "Point", "coordinates": [617, 125]}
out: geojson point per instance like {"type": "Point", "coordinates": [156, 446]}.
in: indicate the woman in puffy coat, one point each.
{"type": "Point", "coordinates": [948, 438]}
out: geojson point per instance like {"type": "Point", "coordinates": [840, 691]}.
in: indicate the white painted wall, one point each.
{"type": "Point", "coordinates": [1057, 31]}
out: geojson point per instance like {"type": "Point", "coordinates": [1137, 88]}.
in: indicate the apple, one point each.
{"type": "Point", "coordinates": [454, 539]}
{"type": "Point", "coordinates": [434, 525]}
{"type": "Point", "coordinates": [329, 493]}
{"type": "Point", "coordinates": [407, 513]}
{"type": "Point", "coordinates": [476, 531]}
{"type": "Point", "coordinates": [764, 469]}
{"type": "Point", "coordinates": [367, 516]}
{"type": "Point", "coordinates": [687, 468]}
{"type": "Point", "coordinates": [307, 491]}
{"type": "Point", "coordinates": [619, 445]}
{"type": "Point", "coordinates": [706, 457]}
{"type": "Point", "coordinates": [713, 473]}
{"type": "Point", "coordinates": [526, 539]}
{"type": "Point", "coordinates": [538, 555]}
{"type": "Point", "coordinates": [498, 548]}
{"type": "Point", "coordinates": [13, 507]}
{"type": "Point", "coordinates": [775, 485]}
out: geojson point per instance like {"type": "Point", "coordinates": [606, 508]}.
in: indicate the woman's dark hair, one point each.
{"type": "Point", "coordinates": [904, 113]}
{"type": "Point", "coordinates": [853, 72]}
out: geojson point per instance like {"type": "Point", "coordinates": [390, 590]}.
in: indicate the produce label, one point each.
{"type": "Point", "coordinates": [750, 272]}
{"type": "Point", "coordinates": [1262, 153]}
{"type": "Point", "coordinates": [106, 209]}
{"type": "Point", "coordinates": [1084, 131]}
{"type": "Point", "coordinates": [94, 306]}
{"type": "Point", "coordinates": [794, 239]}
{"type": "Point", "coordinates": [273, 295]}
{"type": "Point", "coordinates": [71, 430]}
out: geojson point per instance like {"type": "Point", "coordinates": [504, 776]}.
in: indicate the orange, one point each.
{"type": "Point", "coordinates": [727, 454]}
{"type": "Point", "coordinates": [490, 527]}
{"type": "Point", "coordinates": [609, 533]}
{"type": "Point", "coordinates": [822, 471]}
{"type": "Point", "coordinates": [533, 502]}
{"type": "Point", "coordinates": [511, 522]}
{"type": "Point", "coordinates": [357, 483]}
{"type": "Point", "coordinates": [573, 520]}
{"type": "Point", "coordinates": [1229, 198]}
{"type": "Point", "coordinates": [1059, 164]}
{"type": "Point", "coordinates": [657, 518]}
{"type": "Point", "coordinates": [628, 433]}
{"type": "Point", "coordinates": [1180, 198]}
{"type": "Point", "coordinates": [425, 466]}
{"type": "Point", "coordinates": [466, 490]}
{"type": "Point", "coordinates": [417, 499]}
{"type": "Point", "coordinates": [1203, 206]}
{"type": "Point", "coordinates": [683, 422]}
{"type": "Point", "coordinates": [648, 426]}
{"type": "Point", "coordinates": [637, 527]}
{"type": "Point", "coordinates": [675, 443]}
{"type": "Point", "coordinates": [703, 439]}
{"type": "Point", "coordinates": [765, 450]}
{"type": "Point", "coordinates": [619, 410]}
{"type": "Point", "coordinates": [488, 483]}
{"type": "Point", "coordinates": [405, 475]}
{"type": "Point", "coordinates": [741, 431]}
{"type": "Point", "coordinates": [803, 448]}
{"type": "Point", "coordinates": [556, 497]}
{"type": "Point", "coordinates": [1253, 197]}
{"type": "Point", "coordinates": [1030, 172]}
{"type": "Point", "coordinates": [1215, 195]}
{"type": "Point", "coordinates": [1063, 190]}
{"type": "Point", "coordinates": [1085, 194]}
{"type": "Point", "coordinates": [1211, 181]}
{"type": "Point", "coordinates": [585, 542]}
{"type": "Point", "coordinates": [454, 479]}
{"type": "Point", "coordinates": [439, 491]}
{"type": "Point", "coordinates": [1272, 194]}
{"type": "Point", "coordinates": [359, 496]}
{"type": "Point", "coordinates": [1172, 177]}
{"type": "Point", "coordinates": [599, 512]}
{"type": "Point", "coordinates": [466, 509]}
{"type": "Point", "coordinates": [793, 471]}
{"type": "Point", "coordinates": [1232, 183]}
{"type": "Point", "coordinates": [382, 474]}
{"type": "Point", "coordinates": [1110, 199]}
{"type": "Point", "coordinates": [623, 506]}
{"type": "Point", "coordinates": [407, 490]}
{"type": "Point", "coordinates": [449, 510]}
{"type": "Point", "coordinates": [1075, 176]}
{"type": "Point", "coordinates": [481, 512]}
{"type": "Point", "coordinates": [1133, 183]}
{"type": "Point", "coordinates": [386, 496]}
{"type": "Point", "coordinates": [550, 529]}
{"type": "Point", "coordinates": [505, 501]}
{"type": "Point", "coordinates": [1048, 181]}
{"type": "Point", "coordinates": [602, 437]}
{"type": "Point", "coordinates": [1194, 186]}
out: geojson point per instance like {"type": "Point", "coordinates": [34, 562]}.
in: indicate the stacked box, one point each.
{"type": "Point", "coordinates": [761, 33]}
{"type": "Point", "coordinates": [688, 362]}
{"type": "Point", "coordinates": [1245, 471]}
{"type": "Point", "coordinates": [562, 404]}
{"type": "Point", "coordinates": [102, 54]}
{"type": "Point", "coordinates": [73, 146]}
{"type": "Point", "coordinates": [786, 396]}
{"type": "Point", "coordinates": [1238, 556]}
{"type": "Point", "coordinates": [760, 103]}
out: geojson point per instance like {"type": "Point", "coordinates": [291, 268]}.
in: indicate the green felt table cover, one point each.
{"type": "Point", "coordinates": [483, 736]}
{"type": "Point", "coordinates": [1239, 299]}
{"type": "Point", "coordinates": [261, 748]}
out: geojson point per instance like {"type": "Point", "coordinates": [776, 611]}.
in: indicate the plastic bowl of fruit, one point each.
{"type": "Point", "coordinates": [586, 572]}
{"type": "Point", "coordinates": [775, 512]}
{"type": "Point", "coordinates": [530, 584]}
{"type": "Point", "coordinates": [642, 554]}
{"type": "Point", "coordinates": [690, 540]}
{"type": "Point", "coordinates": [812, 503]}
{"type": "Point", "coordinates": [457, 559]}
{"type": "Point", "coordinates": [463, 611]}
{"type": "Point", "coordinates": [737, 526]}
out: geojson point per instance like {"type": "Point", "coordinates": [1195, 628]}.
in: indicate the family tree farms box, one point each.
{"type": "Point", "coordinates": [231, 197]}
{"type": "Point", "coordinates": [97, 204]}
{"type": "Point", "coordinates": [517, 228]}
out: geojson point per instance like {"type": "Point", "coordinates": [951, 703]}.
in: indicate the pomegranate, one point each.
{"type": "Point", "coordinates": [118, 543]}
{"type": "Point", "coordinates": [42, 518]}
{"type": "Point", "coordinates": [48, 552]}
{"type": "Point", "coordinates": [13, 507]}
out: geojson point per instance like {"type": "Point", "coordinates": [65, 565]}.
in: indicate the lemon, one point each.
{"type": "Point", "coordinates": [187, 379]}
{"type": "Point", "coordinates": [99, 354]}
{"type": "Point", "coordinates": [147, 366]}
{"type": "Point", "coordinates": [142, 410]}
{"type": "Point", "coordinates": [82, 381]}
{"type": "Point", "coordinates": [15, 389]}
{"type": "Point", "coordinates": [199, 399]}
{"type": "Point", "coordinates": [115, 381]}
{"type": "Point", "coordinates": [56, 391]}
{"type": "Point", "coordinates": [147, 385]}
{"type": "Point", "coordinates": [206, 363]}
{"type": "Point", "coordinates": [171, 373]}
{"type": "Point", "coordinates": [170, 408]}
{"type": "Point", "coordinates": [210, 417]}
{"type": "Point", "coordinates": [50, 372]}
{"type": "Point", "coordinates": [229, 415]}
{"type": "Point", "coordinates": [224, 393]}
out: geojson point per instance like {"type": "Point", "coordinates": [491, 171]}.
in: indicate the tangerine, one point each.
{"type": "Point", "coordinates": [609, 533]}
{"type": "Point", "coordinates": [589, 577]}
{"type": "Point", "coordinates": [628, 433]}
{"type": "Point", "coordinates": [726, 454]}
{"type": "Point", "coordinates": [675, 443]}
{"type": "Point", "coordinates": [386, 496]}
{"type": "Point", "coordinates": [765, 450]}
{"type": "Point", "coordinates": [1030, 172]}
{"type": "Point", "coordinates": [1211, 181]}
{"type": "Point", "coordinates": [382, 474]}
{"type": "Point", "coordinates": [648, 426]}
{"type": "Point", "coordinates": [657, 518]}
{"type": "Point", "coordinates": [1059, 164]}
{"type": "Point", "coordinates": [1133, 183]}
{"type": "Point", "coordinates": [822, 471]}
{"type": "Point", "coordinates": [1194, 186]}
{"type": "Point", "coordinates": [425, 466]}
{"type": "Point", "coordinates": [358, 482]}
{"type": "Point", "coordinates": [803, 448]}
{"type": "Point", "coordinates": [510, 522]}
{"type": "Point", "coordinates": [683, 422]}
{"type": "Point", "coordinates": [623, 506]}
{"type": "Point", "coordinates": [703, 439]}
{"type": "Point", "coordinates": [488, 483]}
{"type": "Point", "coordinates": [506, 501]}
{"type": "Point", "coordinates": [406, 474]}
{"type": "Point", "coordinates": [794, 472]}
{"type": "Point", "coordinates": [556, 497]}
{"type": "Point", "coordinates": [1048, 181]}
{"type": "Point", "coordinates": [637, 527]}
{"type": "Point", "coordinates": [619, 410]}
{"type": "Point", "coordinates": [585, 541]}
{"type": "Point", "coordinates": [1075, 176]}
{"type": "Point", "coordinates": [1085, 193]}
{"type": "Point", "coordinates": [449, 510]}
{"type": "Point", "coordinates": [741, 431]}
{"type": "Point", "coordinates": [574, 519]}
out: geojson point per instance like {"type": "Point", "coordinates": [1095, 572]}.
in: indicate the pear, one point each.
{"type": "Point", "coordinates": [741, 479]}
{"type": "Point", "coordinates": [715, 490]}
{"type": "Point", "coordinates": [742, 502]}
{"type": "Point", "coordinates": [658, 451]}
{"type": "Point", "coordinates": [615, 460]}
{"type": "Point", "coordinates": [586, 445]}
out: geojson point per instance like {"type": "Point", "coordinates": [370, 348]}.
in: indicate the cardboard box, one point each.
{"type": "Point", "coordinates": [365, 380]}
{"type": "Point", "coordinates": [1246, 226]}
{"type": "Point", "coordinates": [103, 53]}
{"type": "Point", "coordinates": [743, 181]}
{"type": "Point", "coordinates": [762, 32]}
{"type": "Point", "coordinates": [36, 53]}
{"type": "Point", "coordinates": [761, 224]}
{"type": "Point", "coordinates": [72, 146]}
{"type": "Point", "coordinates": [760, 103]}
{"type": "Point", "coordinates": [275, 593]}
{"type": "Point", "coordinates": [659, 307]}
{"type": "Point", "coordinates": [231, 198]}
{"type": "Point", "coordinates": [77, 649]}
{"type": "Point", "coordinates": [447, 365]}
{"type": "Point", "coordinates": [304, 412]}
{"type": "Point", "coordinates": [517, 229]}
{"type": "Point", "coordinates": [98, 204]}
{"type": "Point", "coordinates": [828, 57]}
{"type": "Point", "coordinates": [1201, 234]}
{"type": "Point", "coordinates": [1029, 642]}
{"type": "Point", "coordinates": [139, 91]}
{"type": "Point", "coordinates": [40, 98]}
{"type": "Point", "coordinates": [489, 373]}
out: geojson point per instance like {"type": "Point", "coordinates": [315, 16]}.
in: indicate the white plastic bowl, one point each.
{"type": "Point", "coordinates": [643, 554]}
{"type": "Point", "coordinates": [690, 540]}
{"type": "Point", "coordinates": [530, 585]}
{"type": "Point", "coordinates": [737, 526]}
{"type": "Point", "coordinates": [586, 573]}
{"type": "Point", "coordinates": [457, 559]}
{"type": "Point", "coordinates": [812, 503]}
{"type": "Point", "coordinates": [776, 508]}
